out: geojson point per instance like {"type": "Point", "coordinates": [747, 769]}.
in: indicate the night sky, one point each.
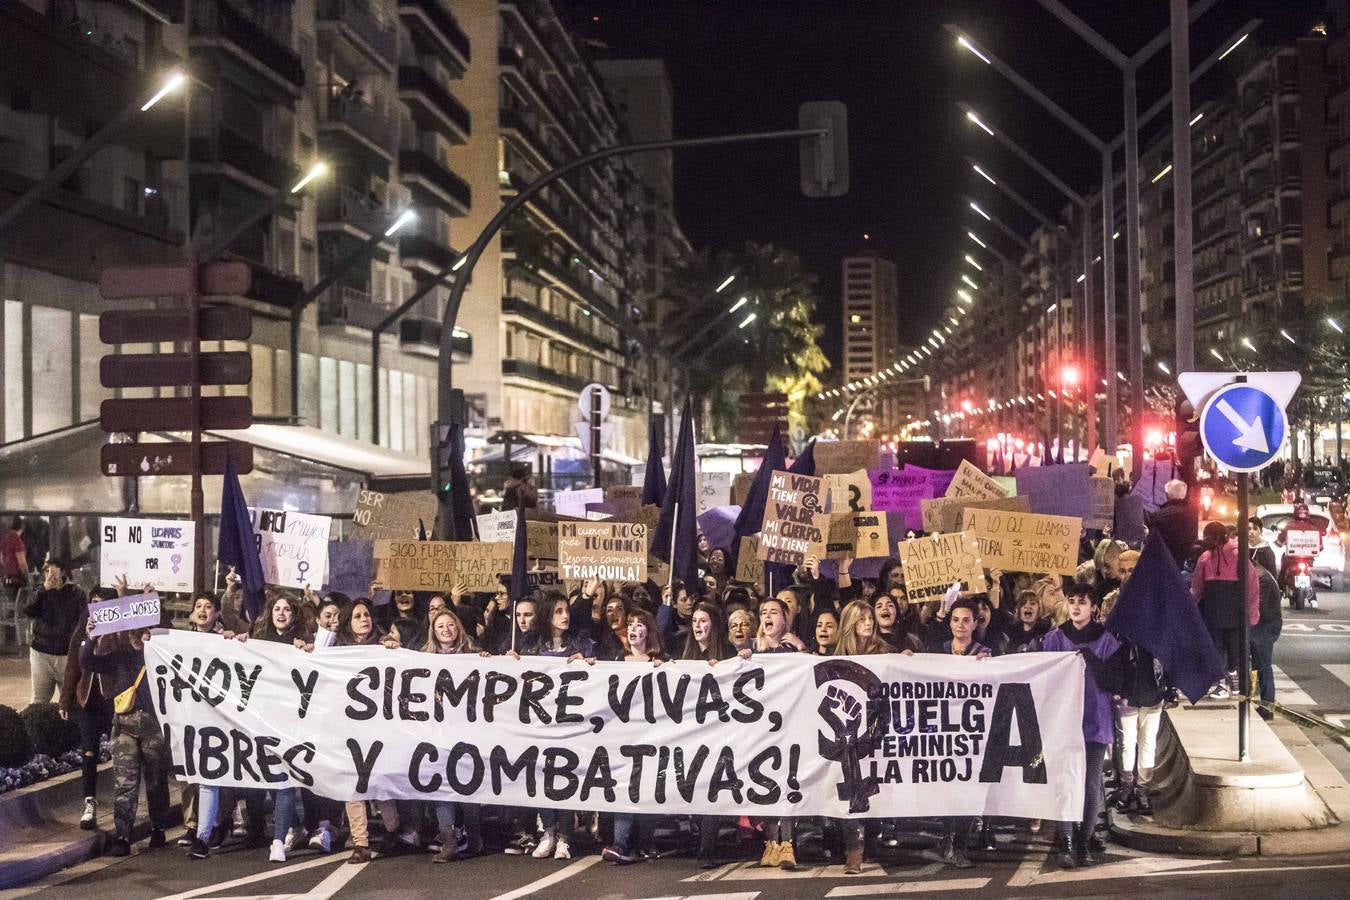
{"type": "Point", "coordinates": [739, 65]}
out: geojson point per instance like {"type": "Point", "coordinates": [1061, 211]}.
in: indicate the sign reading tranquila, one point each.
{"type": "Point", "coordinates": [783, 734]}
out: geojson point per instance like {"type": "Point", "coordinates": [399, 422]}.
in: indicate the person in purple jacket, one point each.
{"type": "Point", "coordinates": [1084, 634]}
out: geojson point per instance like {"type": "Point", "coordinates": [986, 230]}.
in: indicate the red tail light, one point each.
{"type": "Point", "coordinates": [1303, 567]}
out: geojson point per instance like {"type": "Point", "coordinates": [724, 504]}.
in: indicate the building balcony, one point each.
{"type": "Point", "coordinates": [428, 176]}
{"type": "Point", "coordinates": [1255, 100]}
{"type": "Point", "coordinates": [275, 288]}
{"type": "Point", "coordinates": [438, 22]}
{"type": "Point", "coordinates": [425, 253]}
{"type": "Point", "coordinates": [1256, 151]}
{"type": "Point", "coordinates": [1263, 243]}
{"type": "Point", "coordinates": [1289, 183]}
{"type": "Point", "coordinates": [345, 207]}
{"type": "Point", "coordinates": [343, 305]}
{"type": "Point", "coordinates": [220, 23]}
{"type": "Point", "coordinates": [1289, 134]}
{"type": "Point", "coordinates": [229, 153]}
{"type": "Point", "coordinates": [432, 106]}
{"type": "Point", "coordinates": [1291, 231]}
{"type": "Point", "coordinates": [368, 129]}
{"type": "Point", "coordinates": [352, 30]}
{"type": "Point", "coordinates": [525, 127]}
{"type": "Point", "coordinates": [521, 368]}
{"type": "Point", "coordinates": [515, 306]}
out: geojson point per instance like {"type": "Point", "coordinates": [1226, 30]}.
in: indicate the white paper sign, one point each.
{"type": "Point", "coordinates": [293, 546]}
{"type": "Point", "coordinates": [157, 552]}
{"type": "Point", "coordinates": [573, 503]}
{"type": "Point", "coordinates": [498, 526]}
{"type": "Point", "coordinates": [714, 490]}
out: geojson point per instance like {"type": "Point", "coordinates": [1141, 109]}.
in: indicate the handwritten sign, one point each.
{"type": "Point", "coordinates": [837, 457]}
{"type": "Point", "coordinates": [944, 513]}
{"type": "Point", "coordinates": [293, 546]}
{"type": "Point", "coordinates": [610, 551]}
{"type": "Point", "coordinates": [498, 526]}
{"type": "Point", "coordinates": [1025, 542]}
{"type": "Point", "coordinates": [573, 503]}
{"type": "Point", "coordinates": [393, 516]}
{"type": "Point", "coordinates": [740, 487]}
{"type": "Point", "coordinates": [125, 613]}
{"type": "Point", "coordinates": [1103, 502]}
{"type": "Point", "coordinates": [932, 564]}
{"type": "Point", "coordinates": [714, 490]}
{"type": "Point", "coordinates": [438, 565]}
{"type": "Point", "coordinates": [899, 491]}
{"type": "Point", "coordinates": [871, 535]}
{"type": "Point", "coordinates": [749, 567]}
{"type": "Point", "coordinates": [940, 478]}
{"type": "Point", "coordinates": [794, 518]}
{"type": "Point", "coordinates": [971, 482]}
{"type": "Point", "coordinates": [541, 540]}
{"type": "Point", "coordinates": [158, 552]}
{"type": "Point", "coordinates": [351, 567]}
{"type": "Point", "coordinates": [851, 492]}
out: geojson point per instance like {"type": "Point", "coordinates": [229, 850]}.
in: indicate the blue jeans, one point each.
{"type": "Point", "coordinates": [556, 819]}
{"type": "Point", "coordinates": [208, 810]}
{"type": "Point", "coordinates": [1263, 657]}
{"type": "Point", "coordinates": [450, 813]}
{"type": "Point", "coordinates": [283, 812]}
{"type": "Point", "coordinates": [629, 827]}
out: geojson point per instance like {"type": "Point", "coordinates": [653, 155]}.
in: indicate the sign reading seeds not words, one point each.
{"type": "Point", "coordinates": [125, 613]}
{"type": "Point", "coordinates": [934, 563]}
{"type": "Point", "coordinates": [1026, 542]}
{"type": "Point", "coordinates": [794, 518]}
{"type": "Point", "coordinates": [438, 565]}
{"type": "Point", "coordinates": [610, 551]}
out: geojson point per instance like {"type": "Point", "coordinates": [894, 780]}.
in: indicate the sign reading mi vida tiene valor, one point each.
{"type": "Point", "coordinates": [794, 518]}
{"type": "Point", "coordinates": [788, 734]}
{"type": "Point", "coordinates": [439, 565]}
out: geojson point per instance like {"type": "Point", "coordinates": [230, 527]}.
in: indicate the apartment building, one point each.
{"type": "Point", "coordinates": [871, 333]}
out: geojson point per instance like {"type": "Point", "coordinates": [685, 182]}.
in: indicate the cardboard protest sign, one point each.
{"type": "Point", "coordinates": [932, 564]}
{"type": "Point", "coordinates": [872, 536]}
{"type": "Point", "coordinates": [392, 516]}
{"type": "Point", "coordinates": [749, 567]}
{"type": "Point", "coordinates": [497, 526]}
{"type": "Point", "coordinates": [624, 494]}
{"type": "Point", "coordinates": [851, 492]}
{"type": "Point", "coordinates": [293, 546]}
{"type": "Point", "coordinates": [941, 479]}
{"type": "Point", "coordinates": [541, 540]}
{"type": "Point", "coordinates": [610, 551]}
{"type": "Point", "coordinates": [125, 613]}
{"type": "Point", "coordinates": [794, 518]}
{"type": "Point", "coordinates": [1057, 490]}
{"type": "Point", "coordinates": [740, 487]}
{"type": "Point", "coordinates": [1025, 542]}
{"type": "Point", "coordinates": [573, 503]}
{"type": "Point", "coordinates": [1103, 502]}
{"type": "Point", "coordinates": [714, 490]}
{"type": "Point", "coordinates": [1004, 735]}
{"type": "Point", "coordinates": [838, 457]}
{"type": "Point", "coordinates": [971, 482]}
{"type": "Point", "coordinates": [158, 552]}
{"type": "Point", "coordinates": [542, 579]}
{"type": "Point", "coordinates": [438, 565]}
{"type": "Point", "coordinates": [900, 490]}
{"type": "Point", "coordinates": [839, 540]}
{"type": "Point", "coordinates": [1099, 463]}
{"type": "Point", "coordinates": [351, 567]}
{"type": "Point", "coordinates": [944, 513]}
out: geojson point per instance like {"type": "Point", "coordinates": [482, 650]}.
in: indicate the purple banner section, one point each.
{"type": "Point", "coordinates": [1058, 490]}
{"type": "Point", "coordinates": [125, 613]}
{"type": "Point", "coordinates": [899, 491]}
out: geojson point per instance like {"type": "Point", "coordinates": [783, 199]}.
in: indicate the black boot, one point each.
{"type": "Point", "coordinates": [1068, 857]}
{"type": "Point", "coordinates": [1083, 846]}
{"type": "Point", "coordinates": [707, 845]}
{"type": "Point", "coordinates": [986, 840]}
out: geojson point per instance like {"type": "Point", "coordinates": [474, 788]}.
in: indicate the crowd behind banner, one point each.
{"type": "Point", "coordinates": [783, 607]}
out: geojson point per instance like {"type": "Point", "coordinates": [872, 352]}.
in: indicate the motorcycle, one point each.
{"type": "Point", "coordinates": [1298, 582]}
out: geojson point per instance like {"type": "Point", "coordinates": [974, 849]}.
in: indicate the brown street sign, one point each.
{"type": "Point", "coordinates": [174, 458]}
{"type": "Point", "coordinates": [167, 369]}
{"type": "Point", "coordinates": [174, 414]}
{"type": "Point", "coordinates": [213, 279]}
{"type": "Point", "coordinates": [135, 326]}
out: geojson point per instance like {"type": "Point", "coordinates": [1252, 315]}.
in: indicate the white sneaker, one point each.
{"type": "Point", "coordinates": [322, 840]}
{"type": "Point", "coordinates": [294, 836]}
{"type": "Point", "coordinates": [278, 853]}
{"type": "Point", "coordinates": [562, 851]}
{"type": "Point", "coordinates": [547, 844]}
{"type": "Point", "coordinates": [90, 813]}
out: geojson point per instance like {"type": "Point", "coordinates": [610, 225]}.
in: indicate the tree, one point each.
{"type": "Point", "coordinates": [769, 341]}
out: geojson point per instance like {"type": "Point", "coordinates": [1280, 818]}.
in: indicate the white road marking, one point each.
{"type": "Point", "coordinates": [741, 895]}
{"type": "Point", "coordinates": [1287, 692]}
{"type": "Point", "coordinates": [259, 876]}
{"type": "Point", "coordinates": [1137, 867]}
{"type": "Point", "coordinates": [1340, 670]}
{"type": "Point", "coordinates": [908, 887]}
{"type": "Point", "coordinates": [1255, 870]}
{"type": "Point", "coordinates": [751, 871]}
{"type": "Point", "coordinates": [576, 868]}
{"type": "Point", "coordinates": [1028, 869]}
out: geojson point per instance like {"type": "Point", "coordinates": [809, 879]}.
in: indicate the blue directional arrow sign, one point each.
{"type": "Point", "coordinates": [1243, 427]}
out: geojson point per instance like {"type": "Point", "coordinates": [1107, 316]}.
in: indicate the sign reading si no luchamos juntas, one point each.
{"type": "Point", "coordinates": [881, 735]}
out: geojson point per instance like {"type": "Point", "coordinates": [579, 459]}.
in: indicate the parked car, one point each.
{"type": "Point", "coordinates": [1329, 566]}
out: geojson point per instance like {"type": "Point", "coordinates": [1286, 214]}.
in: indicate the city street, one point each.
{"type": "Point", "coordinates": [1312, 669]}
{"type": "Point", "coordinates": [1010, 872]}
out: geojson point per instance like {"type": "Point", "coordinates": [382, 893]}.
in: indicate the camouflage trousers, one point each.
{"type": "Point", "coordinates": [139, 754]}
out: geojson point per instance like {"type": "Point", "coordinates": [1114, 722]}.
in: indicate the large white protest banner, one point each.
{"type": "Point", "coordinates": [293, 546]}
{"type": "Point", "coordinates": [790, 734]}
{"type": "Point", "coordinates": [157, 552]}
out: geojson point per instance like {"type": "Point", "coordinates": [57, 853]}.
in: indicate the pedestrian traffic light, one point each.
{"type": "Point", "coordinates": [1189, 447]}
{"type": "Point", "coordinates": [824, 157]}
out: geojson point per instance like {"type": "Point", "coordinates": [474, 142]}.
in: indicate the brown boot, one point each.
{"type": "Point", "coordinates": [853, 861]}
{"type": "Point", "coordinates": [769, 858]}
{"type": "Point", "coordinates": [787, 858]}
{"type": "Point", "coordinates": [449, 851]}
{"type": "Point", "coordinates": [359, 855]}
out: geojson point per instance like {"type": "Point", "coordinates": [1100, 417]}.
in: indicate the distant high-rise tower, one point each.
{"type": "Point", "coordinates": [871, 332]}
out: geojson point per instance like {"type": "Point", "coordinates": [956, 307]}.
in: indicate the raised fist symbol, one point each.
{"type": "Point", "coordinates": [842, 711]}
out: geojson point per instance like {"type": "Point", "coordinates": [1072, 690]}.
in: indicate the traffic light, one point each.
{"type": "Point", "coordinates": [824, 158]}
{"type": "Point", "coordinates": [173, 322]}
{"type": "Point", "coordinates": [1189, 447]}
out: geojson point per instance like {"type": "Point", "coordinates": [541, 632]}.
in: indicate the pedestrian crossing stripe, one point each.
{"type": "Point", "coordinates": [1287, 692]}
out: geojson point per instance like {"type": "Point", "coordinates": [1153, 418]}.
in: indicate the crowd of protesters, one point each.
{"type": "Point", "coordinates": [714, 619]}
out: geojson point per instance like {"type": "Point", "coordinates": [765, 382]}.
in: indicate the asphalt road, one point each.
{"type": "Point", "coordinates": [1015, 870]}
{"type": "Point", "coordinates": [1312, 662]}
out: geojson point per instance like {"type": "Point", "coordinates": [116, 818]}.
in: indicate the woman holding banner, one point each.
{"type": "Point", "coordinates": [356, 628]}
{"type": "Point", "coordinates": [857, 637]}
{"type": "Point", "coordinates": [773, 638]}
{"type": "Point", "coordinates": [742, 627]}
{"type": "Point", "coordinates": [632, 830]}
